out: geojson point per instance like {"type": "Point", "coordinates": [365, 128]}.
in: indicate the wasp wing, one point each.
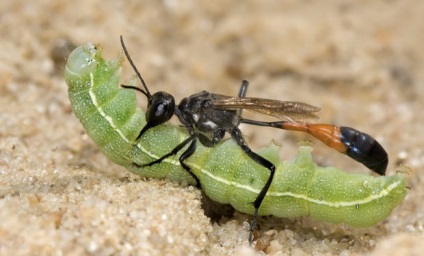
{"type": "Point", "coordinates": [284, 110]}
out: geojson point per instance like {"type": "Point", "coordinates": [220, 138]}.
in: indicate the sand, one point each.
{"type": "Point", "coordinates": [360, 61]}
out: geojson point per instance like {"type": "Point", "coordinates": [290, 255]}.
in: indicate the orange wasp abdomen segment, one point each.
{"type": "Point", "coordinates": [328, 134]}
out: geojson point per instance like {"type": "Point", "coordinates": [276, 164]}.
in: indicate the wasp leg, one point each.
{"type": "Point", "coordinates": [236, 134]}
{"type": "Point", "coordinates": [243, 88]}
{"type": "Point", "coordinates": [242, 93]}
{"type": "Point", "coordinates": [173, 152]}
{"type": "Point", "coordinates": [190, 150]}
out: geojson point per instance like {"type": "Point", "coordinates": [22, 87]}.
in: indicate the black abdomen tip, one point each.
{"type": "Point", "coordinates": [364, 149]}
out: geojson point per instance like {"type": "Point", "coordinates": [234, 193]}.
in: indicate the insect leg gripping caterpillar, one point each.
{"type": "Point", "coordinates": [299, 188]}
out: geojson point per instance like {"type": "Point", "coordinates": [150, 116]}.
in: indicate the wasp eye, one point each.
{"type": "Point", "coordinates": [160, 109]}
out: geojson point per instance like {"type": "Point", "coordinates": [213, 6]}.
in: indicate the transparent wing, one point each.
{"type": "Point", "coordinates": [284, 110]}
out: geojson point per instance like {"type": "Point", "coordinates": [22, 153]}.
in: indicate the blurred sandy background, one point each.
{"type": "Point", "coordinates": [361, 62]}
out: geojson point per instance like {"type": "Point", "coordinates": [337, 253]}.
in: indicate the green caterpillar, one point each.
{"type": "Point", "coordinates": [299, 188]}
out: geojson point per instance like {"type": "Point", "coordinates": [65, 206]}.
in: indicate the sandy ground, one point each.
{"type": "Point", "coordinates": [360, 62]}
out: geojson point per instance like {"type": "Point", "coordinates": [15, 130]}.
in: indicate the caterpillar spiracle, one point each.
{"type": "Point", "coordinates": [300, 187]}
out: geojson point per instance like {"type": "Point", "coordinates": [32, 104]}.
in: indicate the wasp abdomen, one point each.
{"type": "Point", "coordinates": [364, 149]}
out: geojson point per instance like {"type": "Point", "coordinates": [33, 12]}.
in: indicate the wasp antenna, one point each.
{"type": "Point", "coordinates": [147, 93]}
{"type": "Point", "coordinates": [133, 88]}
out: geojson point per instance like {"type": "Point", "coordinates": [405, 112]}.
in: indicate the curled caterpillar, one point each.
{"type": "Point", "coordinates": [226, 174]}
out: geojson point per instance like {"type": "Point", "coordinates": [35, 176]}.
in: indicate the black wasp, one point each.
{"type": "Point", "coordinates": [208, 116]}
